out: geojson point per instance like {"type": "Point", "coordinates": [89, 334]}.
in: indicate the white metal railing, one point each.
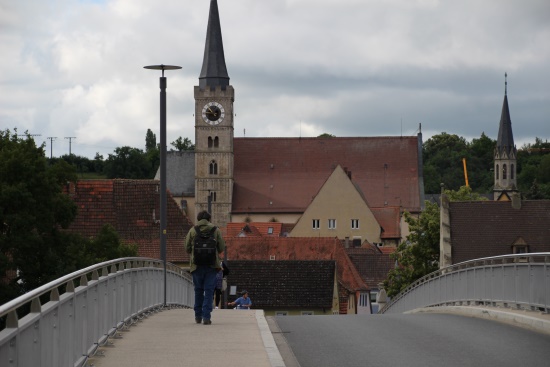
{"type": "Point", "coordinates": [82, 310]}
{"type": "Point", "coordinates": [518, 281]}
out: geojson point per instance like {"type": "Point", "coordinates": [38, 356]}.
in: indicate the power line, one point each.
{"type": "Point", "coordinates": [70, 140]}
{"type": "Point", "coordinates": [52, 138]}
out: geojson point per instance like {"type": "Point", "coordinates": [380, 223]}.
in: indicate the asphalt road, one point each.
{"type": "Point", "coordinates": [423, 340]}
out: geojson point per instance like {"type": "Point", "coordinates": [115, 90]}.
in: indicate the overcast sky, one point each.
{"type": "Point", "coordinates": [74, 68]}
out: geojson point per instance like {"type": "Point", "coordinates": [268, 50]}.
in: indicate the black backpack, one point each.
{"type": "Point", "coordinates": [205, 247]}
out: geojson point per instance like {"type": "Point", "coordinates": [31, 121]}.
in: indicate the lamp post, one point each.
{"type": "Point", "coordinates": [163, 218]}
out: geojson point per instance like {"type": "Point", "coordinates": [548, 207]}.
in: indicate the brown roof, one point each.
{"type": "Point", "coordinates": [280, 284]}
{"type": "Point", "coordinates": [490, 228]}
{"type": "Point", "coordinates": [373, 266]}
{"type": "Point", "coordinates": [285, 174]}
{"type": "Point", "coordinates": [389, 219]}
{"type": "Point", "coordinates": [132, 207]}
{"type": "Point", "coordinates": [297, 248]}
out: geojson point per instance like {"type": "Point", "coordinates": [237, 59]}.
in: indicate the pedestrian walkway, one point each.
{"type": "Point", "coordinates": [172, 338]}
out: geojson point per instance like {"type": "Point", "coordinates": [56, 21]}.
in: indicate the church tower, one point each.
{"type": "Point", "coordinates": [505, 162]}
{"type": "Point", "coordinates": [214, 128]}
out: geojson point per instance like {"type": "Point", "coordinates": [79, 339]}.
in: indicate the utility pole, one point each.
{"type": "Point", "coordinates": [52, 138]}
{"type": "Point", "coordinates": [70, 139]}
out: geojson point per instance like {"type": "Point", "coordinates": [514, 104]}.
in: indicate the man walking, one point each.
{"type": "Point", "coordinates": [204, 243]}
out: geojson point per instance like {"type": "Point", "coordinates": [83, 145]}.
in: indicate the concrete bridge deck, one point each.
{"type": "Point", "coordinates": [172, 338]}
{"type": "Point", "coordinates": [242, 337]}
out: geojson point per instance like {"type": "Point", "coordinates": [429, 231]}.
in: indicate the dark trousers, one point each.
{"type": "Point", "coordinates": [204, 281]}
{"type": "Point", "coordinates": [217, 297]}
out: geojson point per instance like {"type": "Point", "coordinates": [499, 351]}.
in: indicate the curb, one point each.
{"type": "Point", "coordinates": [526, 319]}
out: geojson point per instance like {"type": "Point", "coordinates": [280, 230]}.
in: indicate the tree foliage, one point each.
{"type": "Point", "coordinates": [419, 254]}
{"type": "Point", "coordinates": [34, 211]}
{"type": "Point", "coordinates": [183, 144]}
{"type": "Point", "coordinates": [128, 162]}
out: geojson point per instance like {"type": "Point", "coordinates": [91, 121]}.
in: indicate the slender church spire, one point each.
{"type": "Point", "coordinates": [505, 141]}
{"type": "Point", "coordinates": [505, 163]}
{"type": "Point", "coordinates": [214, 71]}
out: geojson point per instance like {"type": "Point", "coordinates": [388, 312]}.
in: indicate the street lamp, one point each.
{"type": "Point", "coordinates": [163, 163]}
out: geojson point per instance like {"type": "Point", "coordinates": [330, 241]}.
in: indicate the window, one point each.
{"type": "Point", "coordinates": [363, 300]}
{"type": "Point", "coordinates": [497, 171]}
{"type": "Point", "coordinates": [332, 224]}
{"type": "Point", "coordinates": [355, 224]}
{"type": "Point", "coordinates": [281, 313]}
{"type": "Point", "coordinates": [520, 249]}
{"type": "Point", "coordinates": [307, 313]}
{"type": "Point", "coordinates": [270, 230]}
{"type": "Point", "coordinates": [213, 168]}
{"type": "Point", "coordinates": [215, 142]}
{"type": "Point", "coordinates": [504, 172]}
{"type": "Point", "coordinates": [213, 196]}
{"type": "Point", "coordinates": [316, 224]}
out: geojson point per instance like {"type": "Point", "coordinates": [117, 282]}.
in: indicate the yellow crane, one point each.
{"type": "Point", "coordinates": [465, 172]}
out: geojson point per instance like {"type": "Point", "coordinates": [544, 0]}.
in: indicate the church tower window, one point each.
{"type": "Point", "coordinates": [210, 142]}
{"type": "Point", "coordinates": [504, 172]}
{"type": "Point", "coordinates": [497, 171]}
{"type": "Point", "coordinates": [216, 142]}
{"type": "Point", "coordinates": [213, 168]}
{"type": "Point", "coordinates": [511, 171]}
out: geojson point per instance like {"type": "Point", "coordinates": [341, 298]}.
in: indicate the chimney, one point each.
{"type": "Point", "coordinates": [516, 200]}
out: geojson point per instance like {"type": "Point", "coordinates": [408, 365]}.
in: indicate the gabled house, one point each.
{"type": "Point", "coordinates": [339, 210]}
{"type": "Point", "coordinates": [373, 266]}
{"type": "Point", "coordinates": [352, 290]}
{"type": "Point", "coordinates": [290, 287]}
{"type": "Point", "coordinates": [132, 207]}
{"type": "Point", "coordinates": [476, 229]}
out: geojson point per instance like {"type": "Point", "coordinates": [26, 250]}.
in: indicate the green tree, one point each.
{"type": "Point", "coordinates": [127, 162]}
{"type": "Point", "coordinates": [183, 144]}
{"type": "Point", "coordinates": [326, 135]}
{"type": "Point", "coordinates": [35, 248]}
{"type": "Point", "coordinates": [33, 208]}
{"type": "Point", "coordinates": [419, 254]}
{"type": "Point", "coordinates": [107, 245]}
{"type": "Point", "coordinates": [442, 155]}
{"type": "Point", "coordinates": [150, 141]}
{"type": "Point", "coordinates": [479, 161]}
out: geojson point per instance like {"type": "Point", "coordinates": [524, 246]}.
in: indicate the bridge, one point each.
{"type": "Point", "coordinates": [135, 312]}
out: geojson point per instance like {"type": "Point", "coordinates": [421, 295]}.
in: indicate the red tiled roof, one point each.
{"type": "Point", "coordinates": [284, 174]}
{"type": "Point", "coordinates": [490, 228]}
{"type": "Point", "coordinates": [132, 207]}
{"type": "Point", "coordinates": [297, 248]}
{"type": "Point", "coordinates": [389, 219]}
{"type": "Point", "coordinates": [253, 229]}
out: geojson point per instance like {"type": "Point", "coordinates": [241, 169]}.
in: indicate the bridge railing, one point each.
{"type": "Point", "coordinates": [67, 320]}
{"type": "Point", "coordinates": [519, 281]}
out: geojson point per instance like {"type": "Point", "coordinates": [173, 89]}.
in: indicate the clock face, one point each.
{"type": "Point", "coordinates": [213, 113]}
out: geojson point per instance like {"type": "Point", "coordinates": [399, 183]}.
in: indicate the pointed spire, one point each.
{"type": "Point", "coordinates": [505, 141]}
{"type": "Point", "coordinates": [505, 84]}
{"type": "Point", "coordinates": [214, 71]}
